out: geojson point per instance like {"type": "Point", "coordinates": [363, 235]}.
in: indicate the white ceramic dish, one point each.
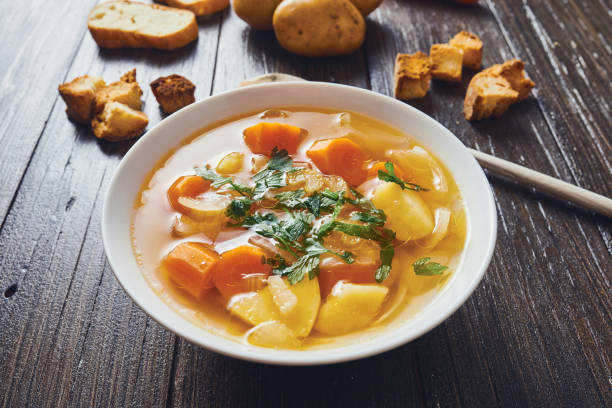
{"type": "Point", "coordinates": [143, 156]}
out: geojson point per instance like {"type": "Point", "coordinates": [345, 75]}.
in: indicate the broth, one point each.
{"type": "Point", "coordinates": [408, 293]}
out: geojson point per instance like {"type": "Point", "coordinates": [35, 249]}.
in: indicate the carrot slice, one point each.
{"type": "Point", "coordinates": [186, 186]}
{"type": "Point", "coordinates": [332, 271]}
{"type": "Point", "coordinates": [239, 269]}
{"type": "Point", "coordinates": [341, 157]}
{"type": "Point", "coordinates": [190, 266]}
{"type": "Point", "coordinates": [373, 170]}
{"type": "Point", "coordinates": [263, 137]}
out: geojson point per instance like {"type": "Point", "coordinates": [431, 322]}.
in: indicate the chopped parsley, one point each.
{"type": "Point", "coordinates": [425, 267]}
{"type": "Point", "coordinates": [390, 176]}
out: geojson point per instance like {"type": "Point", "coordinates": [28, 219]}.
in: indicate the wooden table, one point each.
{"type": "Point", "coordinates": [537, 331]}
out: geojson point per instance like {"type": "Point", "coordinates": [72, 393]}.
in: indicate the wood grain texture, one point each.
{"type": "Point", "coordinates": [535, 333]}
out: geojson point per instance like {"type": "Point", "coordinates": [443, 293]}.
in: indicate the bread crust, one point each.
{"type": "Point", "coordinates": [79, 95]}
{"type": "Point", "coordinates": [488, 95]}
{"type": "Point", "coordinates": [173, 92]}
{"type": "Point", "coordinates": [471, 46]}
{"type": "Point", "coordinates": [200, 7]}
{"type": "Point", "coordinates": [107, 37]}
{"type": "Point", "coordinates": [514, 72]}
{"type": "Point", "coordinates": [118, 122]}
{"type": "Point", "coordinates": [412, 75]}
{"type": "Point", "coordinates": [126, 91]}
{"type": "Point", "coordinates": [446, 62]}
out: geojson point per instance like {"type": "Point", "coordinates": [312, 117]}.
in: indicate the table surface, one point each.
{"type": "Point", "coordinates": [536, 332]}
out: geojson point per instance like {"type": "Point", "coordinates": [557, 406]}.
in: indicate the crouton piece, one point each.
{"type": "Point", "coordinates": [514, 72]}
{"type": "Point", "coordinates": [487, 96]}
{"type": "Point", "coordinates": [118, 122]}
{"type": "Point", "coordinates": [125, 91]}
{"type": "Point", "coordinates": [79, 96]}
{"type": "Point", "coordinates": [412, 75]}
{"type": "Point", "coordinates": [173, 92]}
{"type": "Point", "coordinates": [471, 46]}
{"type": "Point", "coordinates": [446, 62]}
{"type": "Point", "coordinates": [129, 76]}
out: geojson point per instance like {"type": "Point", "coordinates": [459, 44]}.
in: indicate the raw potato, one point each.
{"type": "Point", "coordinates": [319, 28]}
{"type": "Point", "coordinates": [257, 13]}
{"type": "Point", "coordinates": [366, 6]}
{"type": "Point", "coordinates": [350, 307]}
{"type": "Point", "coordinates": [272, 335]}
{"type": "Point", "coordinates": [407, 213]}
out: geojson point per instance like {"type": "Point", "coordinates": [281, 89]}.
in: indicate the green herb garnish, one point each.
{"type": "Point", "coordinates": [392, 178]}
{"type": "Point", "coordinates": [424, 267]}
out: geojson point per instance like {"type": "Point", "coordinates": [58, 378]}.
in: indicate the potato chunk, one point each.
{"type": "Point", "coordinates": [407, 213]}
{"type": "Point", "coordinates": [272, 335]}
{"type": "Point", "coordinates": [255, 307]}
{"type": "Point", "coordinates": [350, 307]}
{"type": "Point", "coordinates": [230, 163]}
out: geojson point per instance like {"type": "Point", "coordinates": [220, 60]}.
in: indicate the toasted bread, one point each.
{"type": "Point", "coordinates": [173, 92]}
{"type": "Point", "coordinates": [118, 122]}
{"type": "Point", "coordinates": [118, 24]}
{"type": "Point", "coordinates": [514, 72]}
{"type": "Point", "coordinates": [79, 96]}
{"type": "Point", "coordinates": [412, 75]}
{"type": "Point", "coordinates": [199, 7]}
{"type": "Point", "coordinates": [126, 91]}
{"type": "Point", "coordinates": [488, 95]}
{"type": "Point", "coordinates": [471, 46]}
{"type": "Point", "coordinates": [446, 62]}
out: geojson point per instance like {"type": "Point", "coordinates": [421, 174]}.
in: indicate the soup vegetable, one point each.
{"type": "Point", "coordinates": [299, 228]}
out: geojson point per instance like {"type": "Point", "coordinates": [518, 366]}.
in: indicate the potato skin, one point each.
{"type": "Point", "coordinates": [366, 6]}
{"type": "Point", "coordinates": [257, 13]}
{"type": "Point", "coordinates": [319, 28]}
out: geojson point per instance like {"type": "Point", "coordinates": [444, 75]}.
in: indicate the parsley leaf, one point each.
{"type": "Point", "coordinates": [290, 199]}
{"type": "Point", "coordinates": [370, 218]}
{"type": "Point", "coordinates": [238, 208]}
{"type": "Point", "coordinates": [424, 267]}
{"type": "Point", "coordinates": [392, 178]}
{"type": "Point", "coordinates": [219, 181]}
{"type": "Point", "coordinates": [273, 176]}
{"type": "Point", "coordinates": [386, 256]}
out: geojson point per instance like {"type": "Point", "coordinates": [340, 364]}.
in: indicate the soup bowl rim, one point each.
{"type": "Point", "coordinates": [145, 154]}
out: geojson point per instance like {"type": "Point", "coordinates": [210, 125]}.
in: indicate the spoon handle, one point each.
{"type": "Point", "coordinates": [544, 183]}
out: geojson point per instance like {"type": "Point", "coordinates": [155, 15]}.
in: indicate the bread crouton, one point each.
{"type": "Point", "coordinates": [412, 75]}
{"type": "Point", "coordinates": [199, 7]}
{"type": "Point", "coordinates": [126, 91]}
{"type": "Point", "coordinates": [514, 72]}
{"type": "Point", "coordinates": [471, 46]}
{"type": "Point", "coordinates": [173, 92]}
{"type": "Point", "coordinates": [488, 95]}
{"type": "Point", "coordinates": [118, 122]}
{"type": "Point", "coordinates": [79, 96]}
{"type": "Point", "coordinates": [446, 62]}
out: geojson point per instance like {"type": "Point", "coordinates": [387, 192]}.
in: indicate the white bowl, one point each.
{"type": "Point", "coordinates": [144, 155]}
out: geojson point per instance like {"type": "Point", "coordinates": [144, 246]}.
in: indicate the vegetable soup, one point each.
{"type": "Point", "coordinates": [299, 228]}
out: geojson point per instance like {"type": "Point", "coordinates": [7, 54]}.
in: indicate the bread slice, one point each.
{"type": "Point", "coordinates": [412, 75]}
{"type": "Point", "coordinates": [199, 7]}
{"type": "Point", "coordinates": [118, 24]}
{"type": "Point", "coordinates": [119, 122]}
{"type": "Point", "coordinates": [79, 96]}
{"type": "Point", "coordinates": [488, 95]}
{"type": "Point", "coordinates": [173, 92]}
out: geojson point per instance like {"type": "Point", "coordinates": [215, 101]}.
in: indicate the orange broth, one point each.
{"type": "Point", "coordinates": [408, 293]}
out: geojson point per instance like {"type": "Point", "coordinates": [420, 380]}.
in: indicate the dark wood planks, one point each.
{"type": "Point", "coordinates": [533, 294]}
{"type": "Point", "coordinates": [79, 339]}
{"type": "Point", "coordinates": [535, 333]}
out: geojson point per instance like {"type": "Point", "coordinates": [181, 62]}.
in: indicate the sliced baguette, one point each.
{"type": "Point", "coordinates": [118, 24]}
{"type": "Point", "coordinates": [199, 7]}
